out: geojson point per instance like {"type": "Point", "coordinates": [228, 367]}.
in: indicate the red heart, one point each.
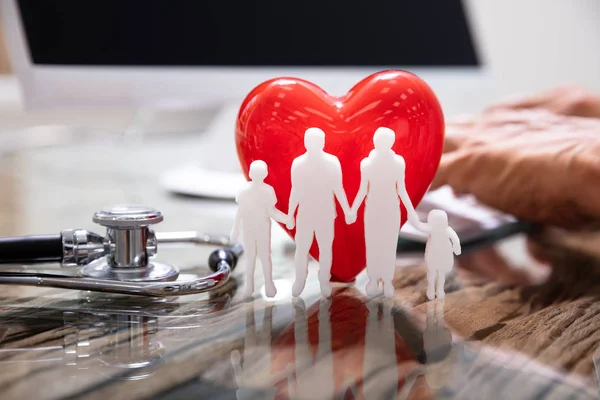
{"type": "Point", "coordinates": [274, 116]}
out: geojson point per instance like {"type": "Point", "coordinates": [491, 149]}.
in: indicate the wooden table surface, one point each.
{"type": "Point", "coordinates": [502, 332]}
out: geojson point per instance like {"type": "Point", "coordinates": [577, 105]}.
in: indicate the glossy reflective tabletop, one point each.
{"type": "Point", "coordinates": [496, 336]}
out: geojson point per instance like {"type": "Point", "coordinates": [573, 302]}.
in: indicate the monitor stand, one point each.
{"type": "Point", "coordinates": [216, 172]}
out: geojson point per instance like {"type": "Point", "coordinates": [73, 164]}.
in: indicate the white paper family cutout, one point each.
{"type": "Point", "coordinates": [256, 208]}
{"type": "Point", "coordinates": [316, 183]}
{"type": "Point", "coordinates": [381, 187]}
{"type": "Point", "coordinates": [316, 178]}
{"type": "Point", "coordinates": [442, 244]}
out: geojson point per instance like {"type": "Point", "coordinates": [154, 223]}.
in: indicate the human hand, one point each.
{"type": "Point", "coordinates": [564, 100]}
{"type": "Point", "coordinates": [533, 164]}
{"type": "Point", "coordinates": [290, 222]}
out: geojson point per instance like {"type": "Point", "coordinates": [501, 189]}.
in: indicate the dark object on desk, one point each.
{"type": "Point", "coordinates": [67, 33]}
{"type": "Point", "coordinates": [31, 249]}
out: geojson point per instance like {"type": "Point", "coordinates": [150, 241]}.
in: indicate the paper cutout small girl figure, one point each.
{"type": "Point", "coordinates": [442, 244]}
{"type": "Point", "coordinates": [256, 207]}
{"type": "Point", "coordinates": [382, 188]}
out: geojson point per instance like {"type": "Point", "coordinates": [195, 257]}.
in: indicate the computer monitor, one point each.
{"type": "Point", "coordinates": [157, 53]}
{"type": "Point", "coordinates": [70, 53]}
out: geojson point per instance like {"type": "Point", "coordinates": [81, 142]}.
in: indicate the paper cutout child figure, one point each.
{"type": "Point", "coordinates": [382, 184]}
{"type": "Point", "coordinates": [316, 183]}
{"type": "Point", "coordinates": [442, 244]}
{"type": "Point", "coordinates": [256, 208]}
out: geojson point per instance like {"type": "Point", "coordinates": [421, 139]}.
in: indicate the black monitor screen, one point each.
{"type": "Point", "coordinates": [358, 33]}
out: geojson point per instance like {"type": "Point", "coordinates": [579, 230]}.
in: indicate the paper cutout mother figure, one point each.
{"type": "Point", "coordinates": [382, 181]}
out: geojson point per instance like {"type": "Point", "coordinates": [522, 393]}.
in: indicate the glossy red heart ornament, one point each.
{"type": "Point", "coordinates": [274, 116]}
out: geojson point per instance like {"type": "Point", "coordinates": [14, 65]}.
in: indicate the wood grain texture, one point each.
{"type": "Point", "coordinates": [488, 339]}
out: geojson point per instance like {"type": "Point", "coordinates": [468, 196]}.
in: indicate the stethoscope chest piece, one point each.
{"type": "Point", "coordinates": [131, 244]}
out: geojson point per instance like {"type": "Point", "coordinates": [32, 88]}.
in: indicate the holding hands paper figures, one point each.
{"type": "Point", "coordinates": [382, 181]}
{"type": "Point", "coordinates": [256, 207]}
{"type": "Point", "coordinates": [316, 182]}
{"type": "Point", "coordinates": [275, 115]}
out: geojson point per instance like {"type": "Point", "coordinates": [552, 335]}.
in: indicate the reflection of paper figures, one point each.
{"type": "Point", "coordinates": [382, 183]}
{"type": "Point", "coordinates": [437, 343]}
{"type": "Point", "coordinates": [596, 359]}
{"type": "Point", "coordinates": [380, 360]}
{"type": "Point", "coordinates": [314, 373]}
{"type": "Point", "coordinates": [256, 208]}
{"type": "Point", "coordinates": [257, 347]}
{"type": "Point", "coordinates": [255, 374]}
{"type": "Point", "coordinates": [442, 244]}
{"type": "Point", "coordinates": [316, 182]}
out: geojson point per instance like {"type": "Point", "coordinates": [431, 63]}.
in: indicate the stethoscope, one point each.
{"type": "Point", "coordinates": [119, 262]}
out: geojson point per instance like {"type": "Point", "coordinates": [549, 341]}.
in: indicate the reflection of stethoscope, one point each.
{"type": "Point", "coordinates": [118, 262]}
{"type": "Point", "coordinates": [126, 343]}
{"type": "Point", "coordinates": [124, 340]}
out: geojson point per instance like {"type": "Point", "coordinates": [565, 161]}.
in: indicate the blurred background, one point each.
{"type": "Point", "coordinates": [114, 57]}
{"type": "Point", "coordinates": [530, 45]}
{"type": "Point", "coordinates": [63, 54]}
{"type": "Point", "coordinates": [146, 69]}
{"type": "Point", "coordinates": [132, 101]}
